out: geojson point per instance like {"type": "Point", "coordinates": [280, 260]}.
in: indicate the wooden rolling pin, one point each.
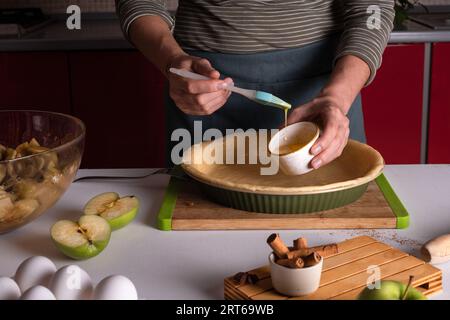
{"type": "Point", "coordinates": [437, 250]}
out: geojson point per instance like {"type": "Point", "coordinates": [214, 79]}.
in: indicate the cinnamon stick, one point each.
{"type": "Point", "coordinates": [311, 259]}
{"type": "Point", "coordinates": [324, 251]}
{"type": "Point", "coordinates": [295, 263]}
{"type": "Point", "coordinates": [244, 277]}
{"type": "Point", "coordinates": [277, 245]}
{"type": "Point", "coordinates": [300, 243]}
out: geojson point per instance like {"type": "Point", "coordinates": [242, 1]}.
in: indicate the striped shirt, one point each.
{"type": "Point", "coordinates": [241, 26]}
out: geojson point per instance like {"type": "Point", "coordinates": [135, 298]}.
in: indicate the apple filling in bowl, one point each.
{"type": "Point", "coordinates": [32, 178]}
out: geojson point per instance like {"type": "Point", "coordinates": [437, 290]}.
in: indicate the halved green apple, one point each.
{"type": "Point", "coordinates": [83, 239]}
{"type": "Point", "coordinates": [117, 211]}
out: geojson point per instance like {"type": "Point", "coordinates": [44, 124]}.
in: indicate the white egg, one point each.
{"type": "Point", "coordinates": [71, 283]}
{"type": "Point", "coordinates": [38, 293]}
{"type": "Point", "coordinates": [34, 271]}
{"type": "Point", "coordinates": [9, 290]}
{"type": "Point", "coordinates": [115, 288]}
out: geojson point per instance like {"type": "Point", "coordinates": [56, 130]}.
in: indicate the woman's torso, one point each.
{"type": "Point", "coordinates": [241, 26]}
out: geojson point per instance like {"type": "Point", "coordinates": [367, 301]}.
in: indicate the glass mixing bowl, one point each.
{"type": "Point", "coordinates": [40, 153]}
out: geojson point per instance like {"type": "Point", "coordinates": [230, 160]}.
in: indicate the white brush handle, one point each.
{"type": "Point", "coordinates": [188, 74]}
{"type": "Point", "coordinates": [251, 94]}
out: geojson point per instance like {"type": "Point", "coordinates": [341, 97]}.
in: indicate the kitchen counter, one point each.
{"type": "Point", "coordinates": [192, 265]}
{"type": "Point", "coordinates": [416, 33]}
{"type": "Point", "coordinates": [103, 32]}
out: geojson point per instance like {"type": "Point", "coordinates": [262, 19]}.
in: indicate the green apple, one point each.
{"type": "Point", "coordinates": [83, 239]}
{"type": "Point", "coordinates": [392, 290]}
{"type": "Point", "coordinates": [117, 211]}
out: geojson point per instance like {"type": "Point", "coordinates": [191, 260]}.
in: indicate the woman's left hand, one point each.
{"type": "Point", "coordinates": [326, 111]}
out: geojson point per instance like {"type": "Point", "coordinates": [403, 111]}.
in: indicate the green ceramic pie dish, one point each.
{"type": "Point", "coordinates": [267, 203]}
{"type": "Point", "coordinates": [241, 186]}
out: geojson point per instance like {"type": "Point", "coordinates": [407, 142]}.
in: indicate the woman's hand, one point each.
{"type": "Point", "coordinates": [329, 109]}
{"type": "Point", "coordinates": [197, 97]}
{"type": "Point", "coordinates": [327, 112]}
{"type": "Point", "coordinates": [152, 36]}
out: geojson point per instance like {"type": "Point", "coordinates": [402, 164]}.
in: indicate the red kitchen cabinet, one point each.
{"type": "Point", "coordinates": [439, 116]}
{"type": "Point", "coordinates": [393, 104]}
{"type": "Point", "coordinates": [119, 96]}
{"type": "Point", "coordinates": [34, 80]}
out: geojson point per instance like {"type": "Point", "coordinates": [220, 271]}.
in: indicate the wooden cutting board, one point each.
{"type": "Point", "coordinates": [185, 208]}
{"type": "Point", "coordinates": [345, 274]}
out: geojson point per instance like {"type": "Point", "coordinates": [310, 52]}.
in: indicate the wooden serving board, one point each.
{"type": "Point", "coordinates": [345, 274]}
{"type": "Point", "coordinates": [185, 208]}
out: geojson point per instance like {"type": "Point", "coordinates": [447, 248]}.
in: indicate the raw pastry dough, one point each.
{"type": "Point", "coordinates": [358, 164]}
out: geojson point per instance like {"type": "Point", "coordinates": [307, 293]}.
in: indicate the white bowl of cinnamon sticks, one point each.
{"type": "Point", "coordinates": [296, 270]}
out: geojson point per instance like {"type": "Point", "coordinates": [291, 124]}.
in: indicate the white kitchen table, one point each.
{"type": "Point", "coordinates": [193, 264]}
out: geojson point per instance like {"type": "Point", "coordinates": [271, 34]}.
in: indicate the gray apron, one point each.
{"type": "Point", "coordinates": [295, 75]}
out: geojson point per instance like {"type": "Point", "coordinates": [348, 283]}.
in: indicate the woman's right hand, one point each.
{"type": "Point", "coordinates": [197, 97]}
